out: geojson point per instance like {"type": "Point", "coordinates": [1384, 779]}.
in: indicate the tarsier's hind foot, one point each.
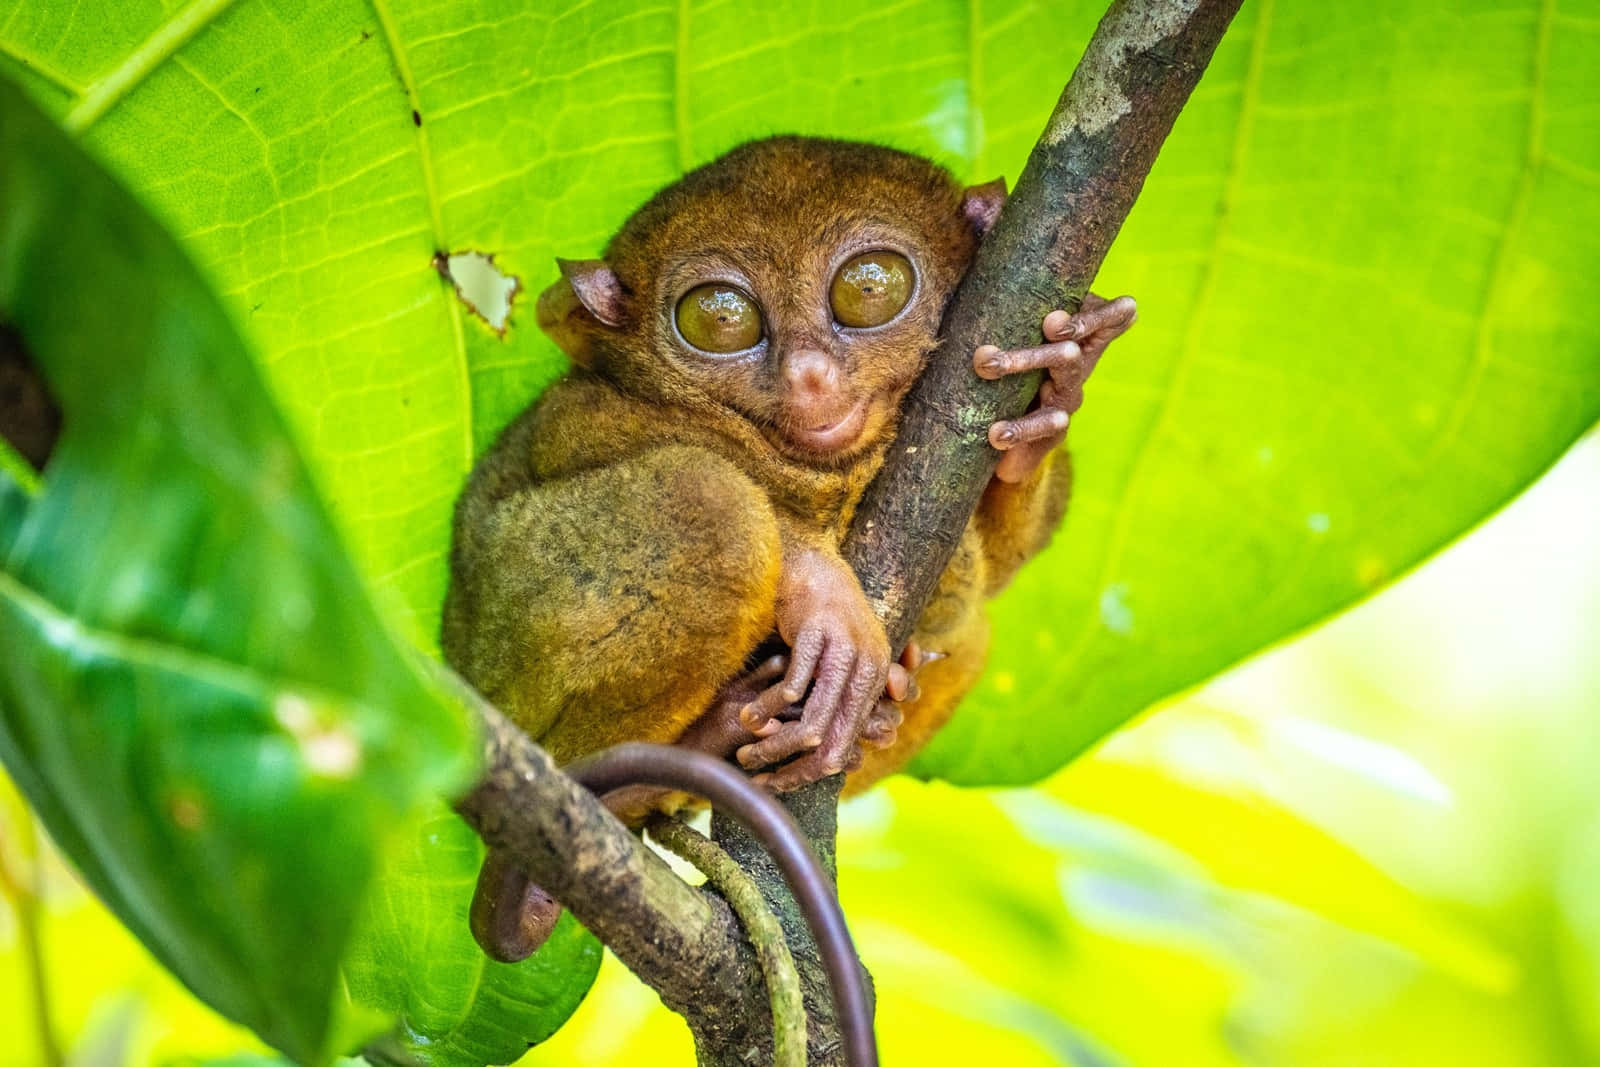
{"type": "Point", "coordinates": [1076, 343]}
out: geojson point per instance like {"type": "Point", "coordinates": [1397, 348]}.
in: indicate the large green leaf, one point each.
{"type": "Point", "coordinates": [1363, 260]}
{"type": "Point", "coordinates": [195, 691]}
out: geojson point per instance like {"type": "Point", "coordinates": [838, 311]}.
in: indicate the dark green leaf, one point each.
{"type": "Point", "coordinates": [196, 693]}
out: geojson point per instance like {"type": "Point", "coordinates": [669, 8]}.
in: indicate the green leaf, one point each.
{"type": "Point", "coordinates": [415, 960]}
{"type": "Point", "coordinates": [1362, 263]}
{"type": "Point", "coordinates": [196, 693]}
{"type": "Point", "coordinates": [179, 578]}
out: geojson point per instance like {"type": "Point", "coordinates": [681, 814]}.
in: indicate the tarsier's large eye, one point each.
{"type": "Point", "coordinates": [719, 318]}
{"type": "Point", "coordinates": [872, 288]}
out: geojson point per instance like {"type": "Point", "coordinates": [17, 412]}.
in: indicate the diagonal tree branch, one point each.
{"type": "Point", "coordinates": [1077, 188]}
{"type": "Point", "coordinates": [1070, 201]}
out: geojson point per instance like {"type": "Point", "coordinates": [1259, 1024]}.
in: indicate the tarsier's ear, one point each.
{"type": "Point", "coordinates": [982, 203]}
{"type": "Point", "coordinates": [588, 298]}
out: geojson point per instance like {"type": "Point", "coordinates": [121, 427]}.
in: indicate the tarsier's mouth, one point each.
{"type": "Point", "coordinates": [833, 436]}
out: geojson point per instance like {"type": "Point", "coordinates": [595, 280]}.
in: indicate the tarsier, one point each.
{"type": "Point", "coordinates": [627, 548]}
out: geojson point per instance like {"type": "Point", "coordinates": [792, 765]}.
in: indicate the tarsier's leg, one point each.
{"type": "Point", "coordinates": [625, 595]}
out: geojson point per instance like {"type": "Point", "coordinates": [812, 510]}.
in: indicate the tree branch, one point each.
{"type": "Point", "coordinates": [1071, 199]}
{"type": "Point", "coordinates": [678, 940]}
{"type": "Point", "coordinates": [1052, 235]}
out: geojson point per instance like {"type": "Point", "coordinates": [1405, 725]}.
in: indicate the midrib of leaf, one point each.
{"type": "Point", "coordinates": [1122, 524]}
{"type": "Point", "coordinates": [1516, 215]}
{"type": "Point", "coordinates": [402, 66]}
{"type": "Point", "coordinates": [157, 655]}
{"type": "Point", "coordinates": [105, 93]}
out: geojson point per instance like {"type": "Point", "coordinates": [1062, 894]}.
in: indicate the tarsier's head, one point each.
{"type": "Point", "coordinates": [798, 282]}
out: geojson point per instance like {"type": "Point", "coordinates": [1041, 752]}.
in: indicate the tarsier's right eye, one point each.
{"type": "Point", "coordinates": [719, 318]}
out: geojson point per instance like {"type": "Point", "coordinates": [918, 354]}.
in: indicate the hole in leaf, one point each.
{"type": "Point", "coordinates": [480, 285]}
{"type": "Point", "coordinates": [30, 420]}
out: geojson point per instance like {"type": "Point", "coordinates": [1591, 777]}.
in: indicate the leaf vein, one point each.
{"type": "Point", "coordinates": [114, 87]}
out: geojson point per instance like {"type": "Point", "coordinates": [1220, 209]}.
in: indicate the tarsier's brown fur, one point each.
{"type": "Point", "coordinates": [618, 553]}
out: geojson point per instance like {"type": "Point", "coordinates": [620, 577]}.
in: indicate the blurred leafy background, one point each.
{"type": "Point", "coordinates": [1366, 262]}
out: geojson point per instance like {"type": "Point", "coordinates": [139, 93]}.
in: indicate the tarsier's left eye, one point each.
{"type": "Point", "coordinates": [872, 288]}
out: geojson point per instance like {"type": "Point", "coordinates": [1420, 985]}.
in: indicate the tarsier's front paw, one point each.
{"type": "Point", "coordinates": [779, 721]}
{"type": "Point", "coordinates": [1076, 343]}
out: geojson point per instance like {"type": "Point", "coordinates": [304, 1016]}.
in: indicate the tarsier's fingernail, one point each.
{"type": "Point", "coordinates": [791, 694]}
{"type": "Point", "coordinates": [989, 358]}
{"type": "Point", "coordinates": [1002, 435]}
{"type": "Point", "coordinates": [1062, 325]}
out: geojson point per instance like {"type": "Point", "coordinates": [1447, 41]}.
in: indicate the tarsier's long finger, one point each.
{"type": "Point", "coordinates": [1043, 424]}
{"type": "Point", "coordinates": [898, 685]}
{"type": "Point", "coordinates": [829, 688]}
{"type": "Point", "coordinates": [803, 659]}
{"type": "Point", "coordinates": [1097, 323]}
{"type": "Point", "coordinates": [760, 715]}
{"type": "Point", "coordinates": [860, 698]}
{"type": "Point", "coordinates": [992, 362]}
{"type": "Point", "coordinates": [787, 739]}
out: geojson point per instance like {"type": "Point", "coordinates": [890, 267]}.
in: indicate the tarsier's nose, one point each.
{"type": "Point", "coordinates": [810, 374]}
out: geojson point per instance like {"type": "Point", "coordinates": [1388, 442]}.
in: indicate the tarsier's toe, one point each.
{"type": "Point", "coordinates": [789, 739]}
{"type": "Point", "coordinates": [1097, 323]}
